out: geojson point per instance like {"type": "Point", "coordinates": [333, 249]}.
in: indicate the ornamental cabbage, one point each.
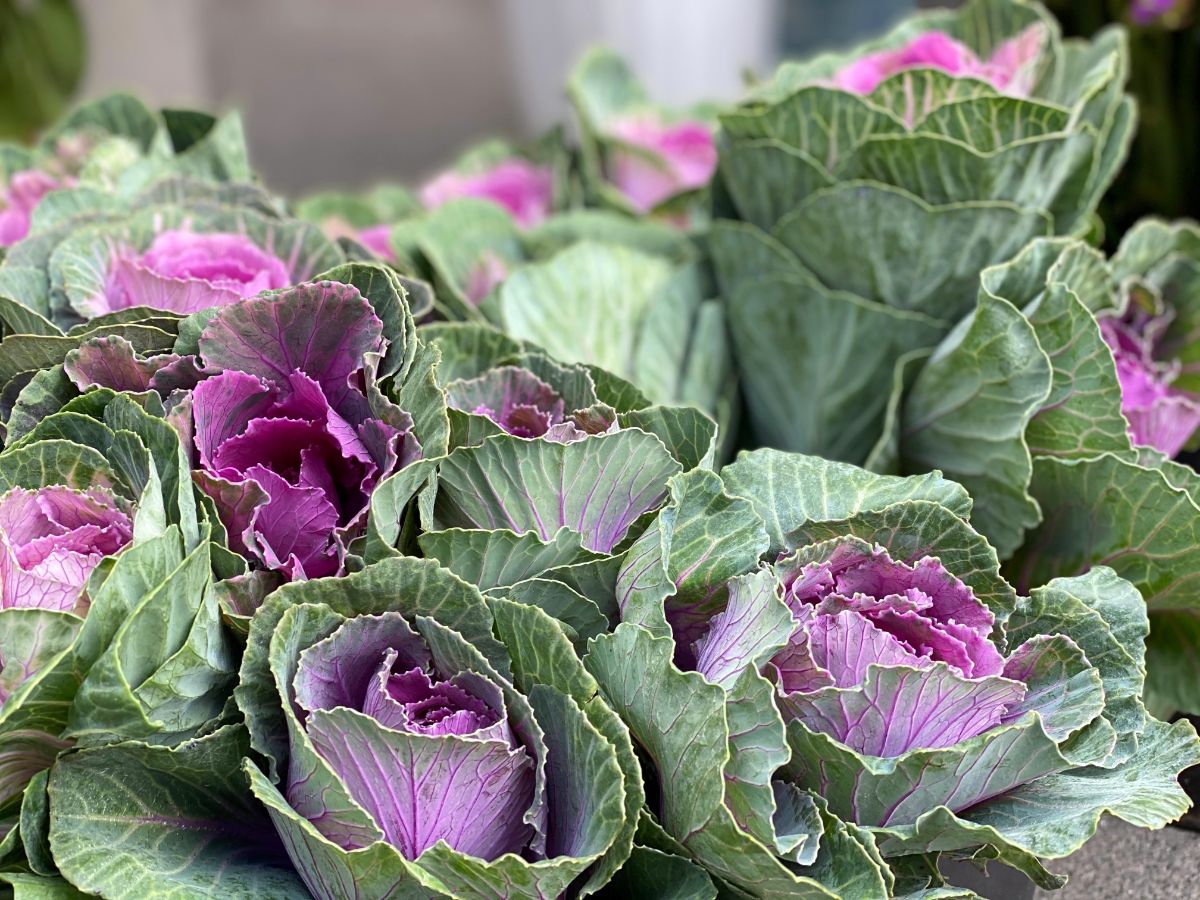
{"type": "Point", "coordinates": [18, 200]}
{"type": "Point", "coordinates": [870, 688]}
{"type": "Point", "coordinates": [521, 188]}
{"type": "Point", "coordinates": [282, 400]}
{"type": "Point", "coordinates": [113, 148]}
{"type": "Point", "coordinates": [638, 290]}
{"type": "Point", "coordinates": [505, 774]}
{"type": "Point", "coordinates": [637, 157]}
{"type": "Point", "coordinates": [864, 220]}
{"type": "Point", "coordinates": [185, 272]}
{"type": "Point", "coordinates": [108, 629]}
{"type": "Point", "coordinates": [288, 445]}
{"type": "Point", "coordinates": [552, 471]}
{"type": "Point", "coordinates": [51, 538]}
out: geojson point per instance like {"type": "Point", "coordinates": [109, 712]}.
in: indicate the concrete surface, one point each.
{"type": "Point", "coordinates": [1120, 863]}
{"type": "Point", "coordinates": [1126, 863]}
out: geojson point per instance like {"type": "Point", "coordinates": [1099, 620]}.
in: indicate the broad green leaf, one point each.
{"type": "Point", "coordinates": [967, 411]}
{"type": "Point", "coordinates": [788, 490]}
{"type": "Point", "coordinates": [811, 387]}
{"type": "Point", "coordinates": [597, 487]}
{"type": "Point", "coordinates": [501, 558]}
{"type": "Point", "coordinates": [133, 820]}
{"type": "Point", "coordinates": [1109, 511]}
{"type": "Point", "coordinates": [652, 873]}
{"type": "Point", "coordinates": [888, 245]}
{"type": "Point", "coordinates": [679, 720]}
{"type": "Point", "coordinates": [1082, 414]}
{"type": "Point", "coordinates": [591, 303]}
{"type": "Point", "coordinates": [1053, 816]}
{"type": "Point", "coordinates": [1172, 664]}
{"type": "Point", "coordinates": [540, 655]}
{"type": "Point", "coordinates": [54, 462]}
{"type": "Point", "coordinates": [702, 538]}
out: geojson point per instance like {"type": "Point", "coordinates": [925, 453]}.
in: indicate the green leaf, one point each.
{"type": "Point", "coordinates": [1172, 664]}
{"type": "Point", "coordinates": [789, 489]}
{"type": "Point", "coordinates": [899, 244]}
{"type": "Point", "coordinates": [597, 486]}
{"type": "Point", "coordinates": [813, 390]}
{"type": "Point", "coordinates": [702, 538]}
{"type": "Point", "coordinates": [1053, 816]}
{"type": "Point", "coordinates": [679, 720]}
{"type": "Point", "coordinates": [153, 661]}
{"type": "Point", "coordinates": [501, 558]}
{"type": "Point", "coordinates": [54, 462]}
{"type": "Point", "coordinates": [652, 873]}
{"type": "Point", "coordinates": [1105, 616]}
{"type": "Point", "coordinates": [131, 820]}
{"type": "Point", "coordinates": [689, 434]}
{"type": "Point", "coordinates": [1082, 414]}
{"type": "Point", "coordinates": [1113, 512]}
{"type": "Point", "coordinates": [967, 411]}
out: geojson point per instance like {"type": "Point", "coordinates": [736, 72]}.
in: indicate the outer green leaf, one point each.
{"type": "Point", "coordinates": [597, 486]}
{"type": "Point", "coordinates": [1105, 616]}
{"type": "Point", "coordinates": [967, 411]}
{"type": "Point", "coordinates": [1113, 512]}
{"type": "Point", "coordinates": [679, 720]}
{"type": "Point", "coordinates": [132, 820]}
{"type": "Point", "coordinates": [788, 490]}
{"type": "Point", "coordinates": [652, 873]}
{"type": "Point", "coordinates": [501, 558]}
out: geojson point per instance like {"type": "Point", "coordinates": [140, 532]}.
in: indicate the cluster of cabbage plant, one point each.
{"type": "Point", "coordinates": [384, 544]}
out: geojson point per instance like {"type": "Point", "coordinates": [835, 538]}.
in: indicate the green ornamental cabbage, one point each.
{"type": "Point", "coordinates": [859, 211]}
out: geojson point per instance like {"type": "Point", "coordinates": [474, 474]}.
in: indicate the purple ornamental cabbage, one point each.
{"type": "Point", "coordinates": [406, 760]}
{"type": "Point", "coordinates": [462, 741]}
{"type": "Point", "coordinates": [17, 201]}
{"type": "Point", "coordinates": [287, 443]}
{"type": "Point", "coordinates": [857, 614]}
{"type": "Point", "coordinates": [522, 404]}
{"type": "Point", "coordinates": [873, 678]}
{"type": "Point", "coordinates": [184, 272]}
{"type": "Point", "coordinates": [1152, 337]}
{"type": "Point", "coordinates": [1160, 415]}
{"type": "Point", "coordinates": [377, 239]}
{"type": "Point", "coordinates": [667, 159]}
{"type": "Point", "coordinates": [525, 190]}
{"type": "Point", "coordinates": [1010, 68]}
{"type": "Point", "coordinates": [51, 539]}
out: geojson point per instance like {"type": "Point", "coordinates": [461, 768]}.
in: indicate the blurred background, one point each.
{"type": "Point", "coordinates": [342, 94]}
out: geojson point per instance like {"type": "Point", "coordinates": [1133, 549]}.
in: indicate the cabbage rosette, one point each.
{"type": "Point", "coordinates": [825, 664]}
{"type": "Point", "coordinates": [108, 628]}
{"type": "Point", "coordinates": [637, 157]}
{"type": "Point", "coordinates": [421, 740]}
{"type": "Point", "coordinates": [858, 212]}
{"type": "Point", "coordinates": [553, 470]}
{"type": "Point", "coordinates": [293, 407]}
